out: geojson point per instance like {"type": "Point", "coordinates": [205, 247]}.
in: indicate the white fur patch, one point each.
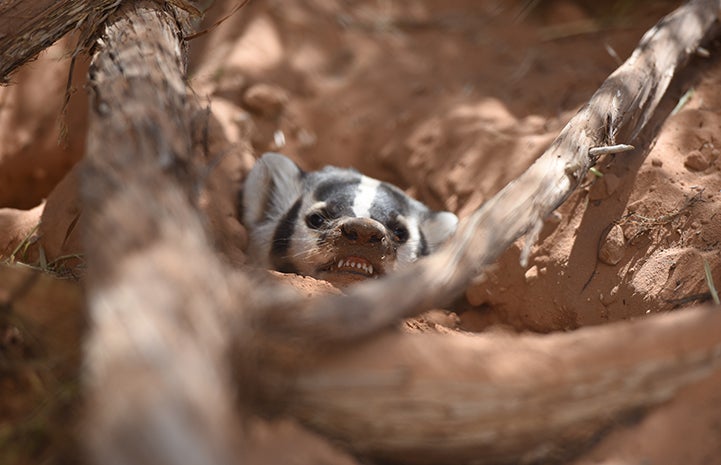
{"type": "Point", "coordinates": [364, 196]}
{"type": "Point", "coordinates": [408, 252]}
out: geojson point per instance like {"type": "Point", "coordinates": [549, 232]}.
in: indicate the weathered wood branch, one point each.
{"type": "Point", "coordinates": [28, 27]}
{"type": "Point", "coordinates": [616, 113]}
{"type": "Point", "coordinates": [500, 398]}
{"type": "Point", "coordinates": [158, 387]}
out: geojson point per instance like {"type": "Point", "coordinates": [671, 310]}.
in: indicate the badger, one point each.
{"type": "Point", "coordinates": [335, 224]}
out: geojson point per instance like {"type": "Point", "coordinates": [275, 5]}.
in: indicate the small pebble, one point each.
{"type": "Point", "coordinates": [610, 297]}
{"type": "Point", "coordinates": [696, 161]}
{"type": "Point", "coordinates": [531, 274]}
{"type": "Point", "coordinates": [265, 99]}
{"type": "Point", "coordinates": [613, 247]}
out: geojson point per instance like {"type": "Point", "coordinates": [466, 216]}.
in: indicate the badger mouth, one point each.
{"type": "Point", "coordinates": [352, 266]}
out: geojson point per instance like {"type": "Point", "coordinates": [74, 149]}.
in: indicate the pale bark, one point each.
{"type": "Point", "coordinates": [157, 381]}
{"type": "Point", "coordinates": [438, 399]}
{"type": "Point", "coordinates": [29, 27]}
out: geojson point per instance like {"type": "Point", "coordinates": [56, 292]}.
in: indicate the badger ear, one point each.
{"type": "Point", "coordinates": [438, 227]}
{"type": "Point", "coordinates": [271, 188]}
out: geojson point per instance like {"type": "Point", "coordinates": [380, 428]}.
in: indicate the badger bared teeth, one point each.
{"type": "Point", "coordinates": [355, 265]}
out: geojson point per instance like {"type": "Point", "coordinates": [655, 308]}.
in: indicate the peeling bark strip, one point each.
{"type": "Point", "coordinates": [615, 114]}
{"type": "Point", "coordinates": [158, 387]}
{"type": "Point", "coordinates": [27, 27]}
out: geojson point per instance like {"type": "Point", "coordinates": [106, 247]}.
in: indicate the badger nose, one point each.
{"type": "Point", "coordinates": [362, 231]}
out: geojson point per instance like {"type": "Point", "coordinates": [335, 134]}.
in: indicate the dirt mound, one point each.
{"type": "Point", "coordinates": [633, 241]}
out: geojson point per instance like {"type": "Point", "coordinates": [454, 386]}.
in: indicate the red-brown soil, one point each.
{"type": "Point", "coordinates": [451, 101]}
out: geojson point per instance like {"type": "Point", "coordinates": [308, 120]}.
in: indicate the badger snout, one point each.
{"type": "Point", "coordinates": [361, 248]}
{"type": "Point", "coordinates": [363, 232]}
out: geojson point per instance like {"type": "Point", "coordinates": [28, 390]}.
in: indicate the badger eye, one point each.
{"type": "Point", "coordinates": [400, 232]}
{"type": "Point", "coordinates": [315, 220]}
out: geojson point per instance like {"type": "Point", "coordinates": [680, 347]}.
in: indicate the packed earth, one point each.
{"type": "Point", "coordinates": [448, 100]}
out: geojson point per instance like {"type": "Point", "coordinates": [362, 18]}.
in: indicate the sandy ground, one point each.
{"type": "Point", "coordinates": [449, 100]}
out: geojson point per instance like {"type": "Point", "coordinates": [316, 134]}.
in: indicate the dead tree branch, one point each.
{"type": "Point", "coordinates": [29, 27]}
{"type": "Point", "coordinates": [158, 387]}
{"type": "Point", "coordinates": [499, 398]}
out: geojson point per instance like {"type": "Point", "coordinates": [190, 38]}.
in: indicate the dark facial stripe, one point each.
{"type": "Point", "coordinates": [338, 195]}
{"type": "Point", "coordinates": [423, 245]}
{"type": "Point", "coordinates": [281, 240]}
{"type": "Point", "coordinates": [388, 204]}
{"type": "Point", "coordinates": [342, 191]}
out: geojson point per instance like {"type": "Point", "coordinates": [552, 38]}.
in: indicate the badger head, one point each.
{"type": "Point", "coordinates": [335, 224]}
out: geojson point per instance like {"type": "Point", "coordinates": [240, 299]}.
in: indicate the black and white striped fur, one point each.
{"type": "Point", "coordinates": [335, 223]}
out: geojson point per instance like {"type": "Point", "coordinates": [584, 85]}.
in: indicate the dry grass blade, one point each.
{"type": "Point", "coordinates": [195, 35]}
{"type": "Point", "coordinates": [710, 283]}
{"type": "Point", "coordinates": [23, 245]}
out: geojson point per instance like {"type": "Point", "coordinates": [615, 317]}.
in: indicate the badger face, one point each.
{"type": "Point", "coordinates": [335, 224]}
